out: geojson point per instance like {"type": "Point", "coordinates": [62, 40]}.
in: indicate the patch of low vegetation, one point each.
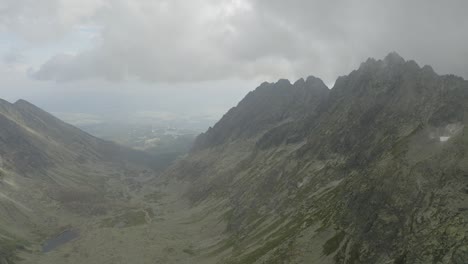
{"type": "Point", "coordinates": [273, 241]}
{"type": "Point", "coordinates": [154, 197]}
{"type": "Point", "coordinates": [169, 250]}
{"type": "Point", "coordinates": [333, 243]}
{"type": "Point", "coordinates": [128, 219]}
{"type": "Point", "coordinates": [354, 254]}
{"type": "Point", "coordinates": [150, 212]}
{"type": "Point", "coordinates": [8, 249]}
{"type": "Point", "coordinates": [2, 174]}
{"type": "Point", "coordinates": [401, 259]}
{"type": "Point", "coordinates": [189, 251]}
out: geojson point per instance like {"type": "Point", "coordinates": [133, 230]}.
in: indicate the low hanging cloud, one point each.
{"type": "Point", "coordinates": [46, 20]}
{"type": "Point", "coordinates": [200, 40]}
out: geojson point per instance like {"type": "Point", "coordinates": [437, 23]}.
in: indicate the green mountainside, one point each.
{"type": "Point", "coordinates": [373, 171]}
{"type": "Point", "coordinates": [53, 175]}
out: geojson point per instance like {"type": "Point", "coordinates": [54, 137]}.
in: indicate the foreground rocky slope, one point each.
{"type": "Point", "coordinates": [373, 171]}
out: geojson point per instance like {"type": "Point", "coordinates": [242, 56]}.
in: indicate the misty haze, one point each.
{"type": "Point", "coordinates": [233, 132]}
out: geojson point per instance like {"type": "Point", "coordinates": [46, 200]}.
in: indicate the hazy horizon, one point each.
{"type": "Point", "coordinates": [120, 58]}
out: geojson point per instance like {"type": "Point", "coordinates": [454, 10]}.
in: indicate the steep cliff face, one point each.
{"type": "Point", "coordinates": [371, 171]}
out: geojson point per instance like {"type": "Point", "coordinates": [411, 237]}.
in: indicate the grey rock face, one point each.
{"type": "Point", "coordinates": [268, 106]}
{"type": "Point", "coordinates": [371, 171]}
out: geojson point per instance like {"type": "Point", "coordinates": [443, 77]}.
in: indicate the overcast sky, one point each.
{"type": "Point", "coordinates": [200, 57]}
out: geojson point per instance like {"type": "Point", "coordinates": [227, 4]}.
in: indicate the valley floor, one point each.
{"type": "Point", "coordinates": [154, 226]}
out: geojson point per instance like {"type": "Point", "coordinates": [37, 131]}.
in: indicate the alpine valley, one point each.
{"type": "Point", "coordinates": [373, 170]}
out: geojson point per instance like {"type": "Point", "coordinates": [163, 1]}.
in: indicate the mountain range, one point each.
{"type": "Point", "coordinates": [374, 170]}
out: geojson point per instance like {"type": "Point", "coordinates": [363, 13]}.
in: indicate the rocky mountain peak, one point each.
{"type": "Point", "coordinates": [25, 106]}
{"type": "Point", "coordinates": [313, 81]}
{"type": "Point", "coordinates": [22, 102]}
{"type": "Point", "coordinates": [394, 58]}
{"type": "Point", "coordinates": [300, 81]}
{"type": "Point", "coordinates": [392, 61]}
{"type": "Point", "coordinates": [267, 106]}
{"type": "Point", "coordinates": [283, 83]}
{"type": "Point", "coordinates": [361, 175]}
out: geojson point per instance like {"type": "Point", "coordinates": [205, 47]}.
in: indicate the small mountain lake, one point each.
{"type": "Point", "coordinates": [62, 238]}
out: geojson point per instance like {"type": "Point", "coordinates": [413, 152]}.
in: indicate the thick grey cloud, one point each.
{"type": "Point", "coordinates": [198, 40]}
{"type": "Point", "coordinates": [12, 57]}
{"type": "Point", "coordinates": [45, 20]}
